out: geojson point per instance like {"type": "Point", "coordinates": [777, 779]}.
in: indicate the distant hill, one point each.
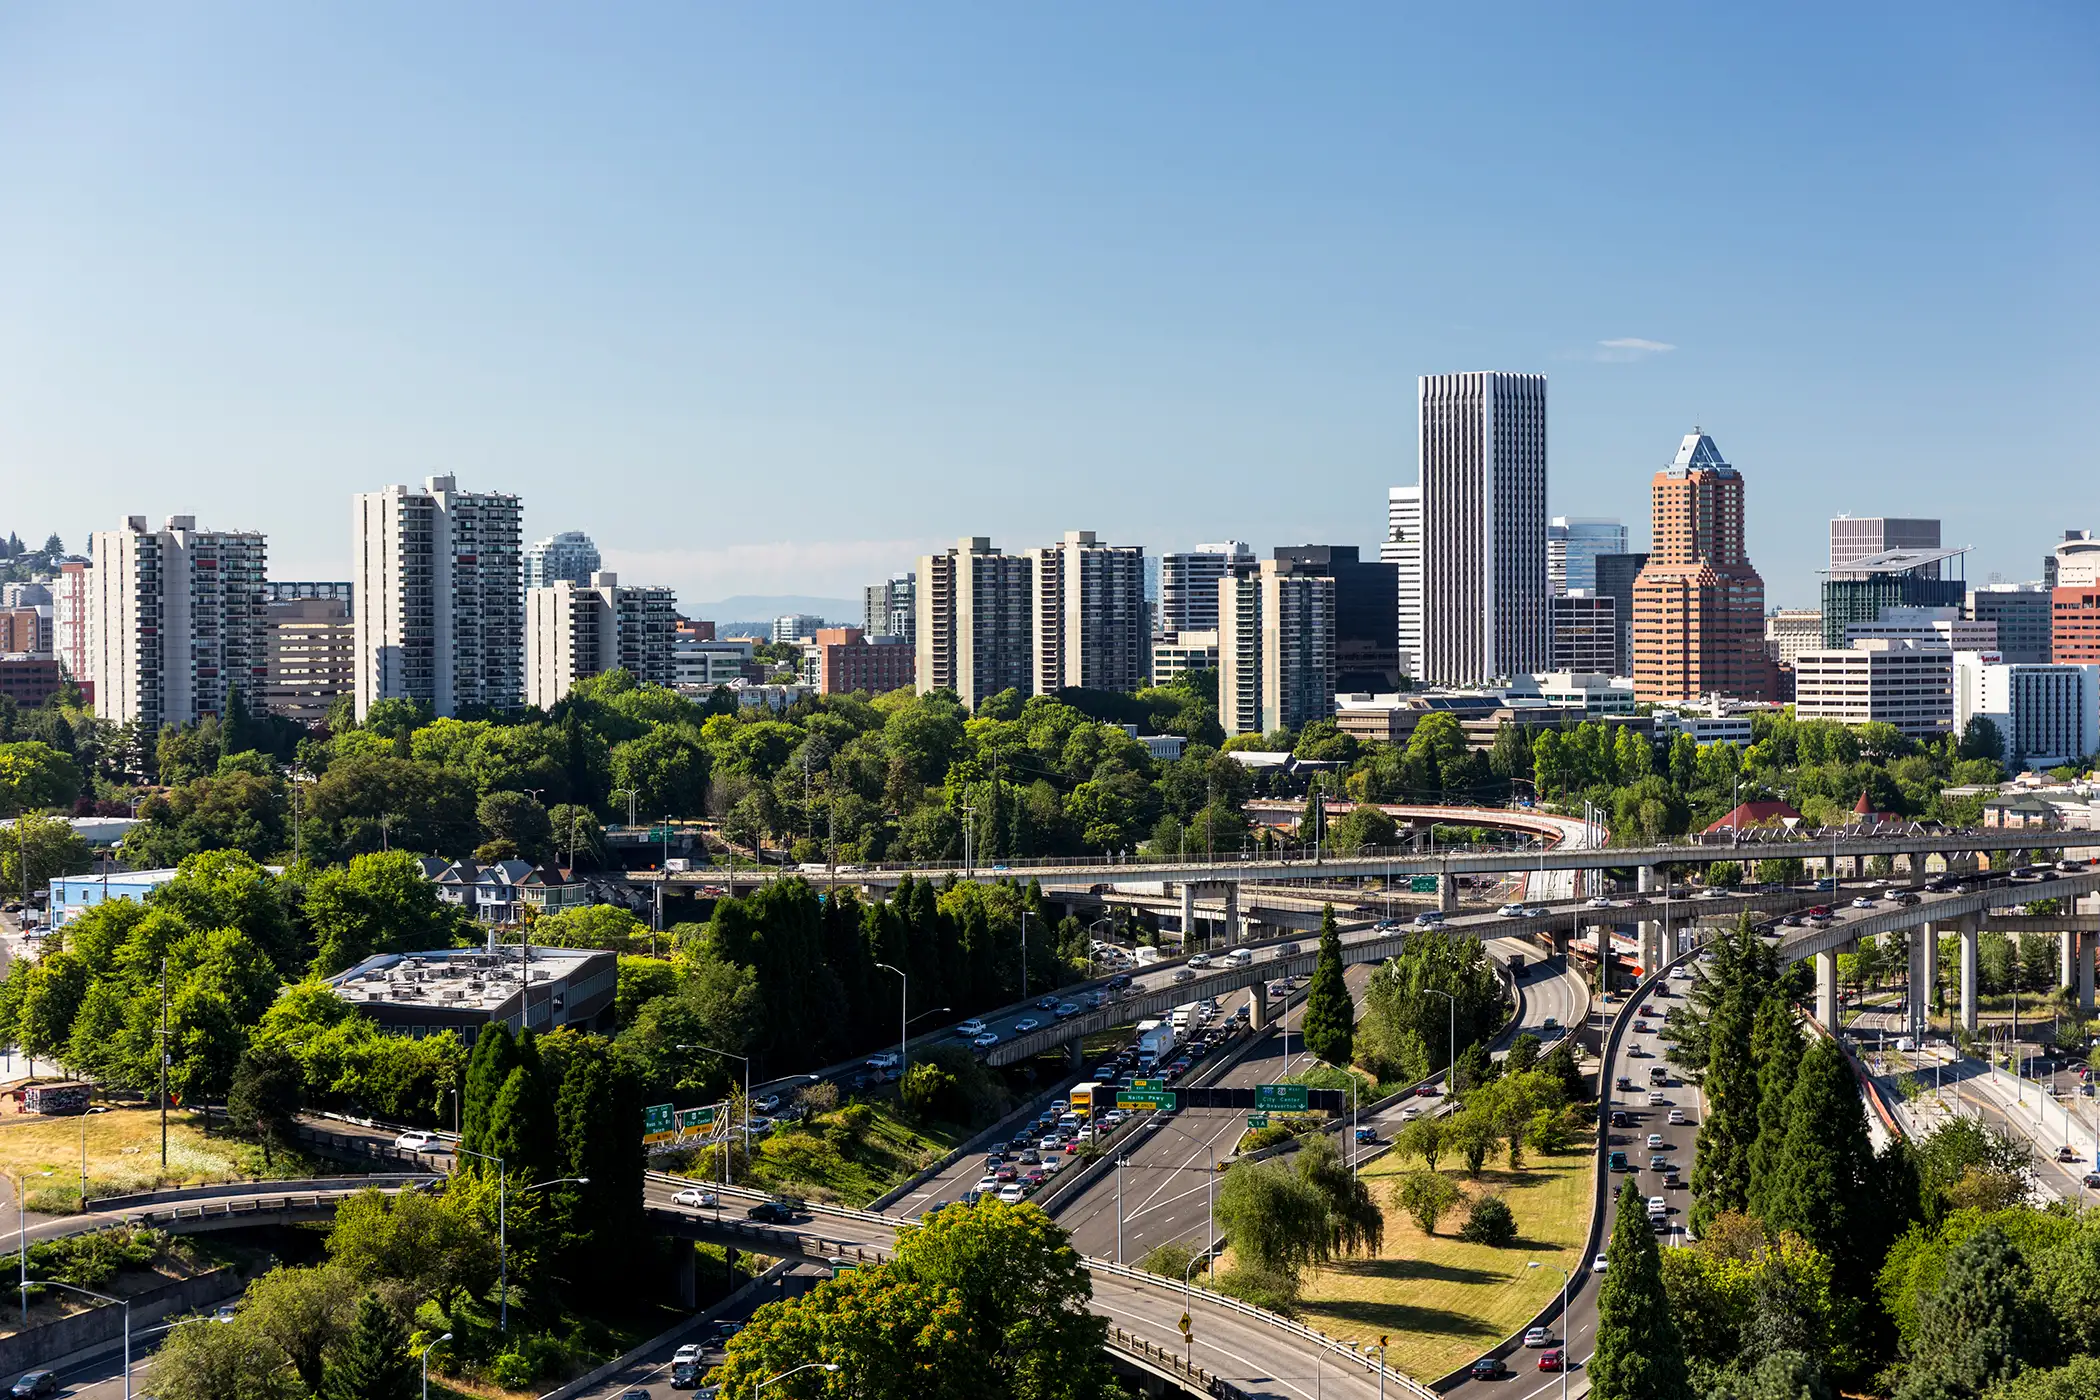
{"type": "Point", "coordinates": [750, 609]}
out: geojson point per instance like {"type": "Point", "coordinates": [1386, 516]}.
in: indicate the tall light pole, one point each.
{"type": "Point", "coordinates": [731, 1054]}
{"type": "Point", "coordinates": [631, 795]}
{"type": "Point", "coordinates": [1451, 1041]}
{"type": "Point", "coordinates": [91, 1293]}
{"type": "Point", "coordinates": [426, 1362]}
{"type": "Point", "coordinates": [1566, 1339]}
{"type": "Point", "coordinates": [903, 1021]}
{"type": "Point", "coordinates": [805, 1366]}
{"type": "Point", "coordinates": [502, 1232]}
{"type": "Point", "coordinates": [22, 1238]}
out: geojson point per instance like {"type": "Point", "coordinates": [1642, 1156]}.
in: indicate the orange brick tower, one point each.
{"type": "Point", "coordinates": [1698, 605]}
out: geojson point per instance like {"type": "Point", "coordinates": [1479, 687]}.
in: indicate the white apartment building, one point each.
{"type": "Point", "coordinates": [569, 556]}
{"type": "Point", "coordinates": [698, 665]}
{"type": "Point", "coordinates": [1944, 627]}
{"type": "Point", "coordinates": [795, 629]}
{"type": "Point", "coordinates": [1899, 682]}
{"type": "Point", "coordinates": [1176, 655]}
{"type": "Point", "coordinates": [313, 655]}
{"type": "Point", "coordinates": [2048, 715]}
{"type": "Point", "coordinates": [888, 609]}
{"type": "Point", "coordinates": [1483, 480]}
{"type": "Point", "coordinates": [69, 618]}
{"type": "Point", "coordinates": [175, 621]}
{"type": "Point", "coordinates": [976, 621]}
{"type": "Point", "coordinates": [440, 597]}
{"type": "Point", "coordinates": [1791, 631]}
{"type": "Point", "coordinates": [575, 632]}
{"type": "Point", "coordinates": [1403, 549]}
{"type": "Point", "coordinates": [1188, 585]}
{"type": "Point", "coordinates": [1089, 615]}
{"type": "Point", "coordinates": [1276, 649]}
{"type": "Point", "coordinates": [1573, 543]}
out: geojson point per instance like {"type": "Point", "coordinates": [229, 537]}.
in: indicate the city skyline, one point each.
{"type": "Point", "coordinates": [294, 261]}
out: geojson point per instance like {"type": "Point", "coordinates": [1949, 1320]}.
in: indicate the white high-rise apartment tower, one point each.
{"type": "Point", "coordinates": [569, 556]}
{"type": "Point", "coordinates": [1276, 648]}
{"type": "Point", "coordinates": [440, 597]}
{"type": "Point", "coordinates": [175, 620]}
{"type": "Point", "coordinates": [1485, 608]}
{"type": "Point", "coordinates": [1188, 585]}
{"type": "Point", "coordinates": [975, 621]}
{"type": "Point", "coordinates": [576, 632]}
{"type": "Point", "coordinates": [1403, 548]}
{"type": "Point", "coordinates": [1089, 612]}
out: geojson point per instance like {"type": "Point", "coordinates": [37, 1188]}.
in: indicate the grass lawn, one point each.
{"type": "Point", "coordinates": [123, 1155]}
{"type": "Point", "coordinates": [1442, 1301]}
{"type": "Point", "coordinates": [826, 1160]}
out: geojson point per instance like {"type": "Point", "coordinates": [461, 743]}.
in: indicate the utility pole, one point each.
{"type": "Point", "coordinates": [163, 1064]}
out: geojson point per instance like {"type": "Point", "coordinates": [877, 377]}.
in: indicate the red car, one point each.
{"type": "Point", "coordinates": [1427, 1091]}
{"type": "Point", "coordinates": [1550, 1359]}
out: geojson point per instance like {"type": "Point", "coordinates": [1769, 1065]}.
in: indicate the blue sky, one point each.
{"type": "Point", "coordinates": [771, 298]}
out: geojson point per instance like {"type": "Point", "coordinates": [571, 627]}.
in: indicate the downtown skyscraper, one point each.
{"type": "Point", "coordinates": [1698, 605]}
{"type": "Point", "coordinates": [1485, 610]}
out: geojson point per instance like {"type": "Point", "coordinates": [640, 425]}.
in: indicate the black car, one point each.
{"type": "Point", "coordinates": [1487, 1368]}
{"type": "Point", "coordinates": [771, 1213]}
{"type": "Point", "coordinates": [36, 1383]}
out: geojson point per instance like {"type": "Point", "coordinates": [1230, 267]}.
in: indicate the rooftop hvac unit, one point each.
{"type": "Point", "coordinates": [540, 975]}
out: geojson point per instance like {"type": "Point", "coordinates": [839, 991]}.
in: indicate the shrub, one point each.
{"type": "Point", "coordinates": [1489, 1222]}
{"type": "Point", "coordinates": [1273, 1289]}
{"type": "Point", "coordinates": [1425, 1196]}
{"type": "Point", "coordinates": [1170, 1260]}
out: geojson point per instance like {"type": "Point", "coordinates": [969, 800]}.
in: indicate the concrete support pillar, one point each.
{"type": "Point", "coordinates": [2066, 957]}
{"type": "Point", "coordinates": [1924, 970]}
{"type": "Point", "coordinates": [1233, 932]}
{"type": "Point", "coordinates": [1075, 1054]}
{"type": "Point", "coordinates": [1648, 930]}
{"type": "Point", "coordinates": [1188, 917]}
{"type": "Point", "coordinates": [1827, 990]}
{"type": "Point", "coordinates": [2086, 944]}
{"type": "Point", "coordinates": [1258, 1018]}
{"type": "Point", "coordinates": [1447, 893]}
{"type": "Point", "coordinates": [1970, 926]}
{"type": "Point", "coordinates": [685, 1278]}
{"type": "Point", "coordinates": [1601, 934]}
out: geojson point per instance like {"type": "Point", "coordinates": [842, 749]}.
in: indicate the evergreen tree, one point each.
{"type": "Point", "coordinates": [1822, 1184]}
{"type": "Point", "coordinates": [1639, 1355]}
{"type": "Point", "coordinates": [374, 1363]}
{"type": "Point", "coordinates": [521, 1129]}
{"type": "Point", "coordinates": [1775, 1047]}
{"type": "Point", "coordinates": [1979, 1327]}
{"type": "Point", "coordinates": [1721, 1173]}
{"type": "Point", "coordinates": [495, 1056]}
{"type": "Point", "coordinates": [1329, 1021]}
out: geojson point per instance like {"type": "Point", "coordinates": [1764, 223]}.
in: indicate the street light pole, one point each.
{"type": "Point", "coordinates": [502, 1233]}
{"type": "Point", "coordinates": [805, 1366]}
{"type": "Point", "coordinates": [22, 1238]}
{"type": "Point", "coordinates": [426, 1362]}
{"type": "Point", "coordinates": [1565, 1339]}
{"type": "Point", "coordinates": [903, 1024]}
{"type": "Point", "coordinates": [91, 1293]}
{"type": "Point", "coordinates": [1451, 1043]}
{"type": "Point", "coordinates": [709, 1049]}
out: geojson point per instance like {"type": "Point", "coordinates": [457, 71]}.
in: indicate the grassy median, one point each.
{"type": "Point", "coordinates": [123, 1155]}
{"type": "Point", "coordinates": [1441, 1301]}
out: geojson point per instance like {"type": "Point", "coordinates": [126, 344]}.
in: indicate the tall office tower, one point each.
{"type": "Point", "coordinates": [1585, 632]}
{"type": "Point", "coordinates": [313, 649]}
{"type": "Point", "coordinates": [1698, 606]}
{"type": "Point", "coordinates": [2022, 612]}
{"type": "Point", "coordinates": [1901, 578]}
{"type": "Point", "coordinates": [1616, 574]}
{"type": "Point", "coordinates": [975, 621]}
{"type": "Point", "coordinates": [2074, 599]}
{"type": "Point", "coordinates": [69, 618]}
{"type": "Point", "coordinates": [1483, 446]}
{"type": "Point", "coordinates": [1188, 585]}
{"type": "Point", "coordinates": [569, 556]}
{"type": "Point", "coordinates": [1573, 543]}
{"type": "Point", "coordinates": [440, 607]}
{"type": "Point", "coordinates": [887, 609]}
{"type": "Point", "coordinates": [1403, 550]}
{"type": "Point", "coordinates": [1854, 539]}
{"type": "Point", "coordinates": [1366, 613]}
{"type": "Point", "coordinates": [1276, 647]}
{"type": "Point", "coordinates": [573, 632]}
{"type": "Point", "coordinates": [1089, 615]}
{"type": "Point", "coordinates": [175, 621]}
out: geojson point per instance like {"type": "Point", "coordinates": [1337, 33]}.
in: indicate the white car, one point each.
{"type": "Point", "coordinates": [1680, 973]}
{"type": "Point", "coordinates": [418, 1140]}
{"type": "Point", "coordinates": [1865, 901]}
{"type": "Point", "coordinates": [985, 1041]}
{"type": "Point", "coordinates": [1026, 1023]}
{"type": "Point", "coordinates": [1711, 894]}
{"type": "Point", "coordinates": [1657, 1206]}
{"type": "Point", "coordinates": [1599, 902]}
{"type": "Point", "coordinates": [696, 1198]}
{"type": "Point", "coordinates": [1655, 1099]}
{"type": "Point", "coordinates": [1676, 1116]}
{"type": "Point", "coordinates": [986, 1185]}
{"type": "Point", "coordinates": [1597, 1265]}
{"type": "Point", "coordinates": [1410, 1113]}
{"type": "Point", "coordinates": [1512, 911]}
{"type": "Point", "coordinates": [1655, 1140]}
{"type": "Point", "coordinates": [1013, 1193]}
{"type": "Point", "coordinates": [1200, 960]}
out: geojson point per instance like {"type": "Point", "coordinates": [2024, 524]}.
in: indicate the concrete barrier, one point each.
{"type": "Point", "coordinates": [104, 1324]}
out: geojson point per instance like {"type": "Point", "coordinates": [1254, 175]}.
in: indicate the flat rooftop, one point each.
{"type": "Point", "coordinates": [460, 979]}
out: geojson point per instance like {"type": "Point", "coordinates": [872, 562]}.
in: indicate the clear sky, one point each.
{"type": "Point", "coordinates": [770, 298]}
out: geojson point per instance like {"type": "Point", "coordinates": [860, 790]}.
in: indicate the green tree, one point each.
{"type": "Point", "coordinates": [1354, 1222]}
{"type": "Point", "coordinates": [52, 849]}
{"type": "Point", "coordinates": [1274, 1219]}
{"type": "Point", "coordinates": [1721, 1174]}
{"type": "Point", "coordinates": [305, 1313]}
{"type": "Point", "coordinates": [1639, 1355]}
{"type": "Point", "coordinates": [379, 903]}
{"type": "Point", "coordinates": [1776, 1044]}
{"type": "Point", "coordinates": [1821, 1182]}
{"type": "Point", "coordinates": [667, 768]}
{"type": "Point", "coordinates": [35, 776]}
{"type": "Point", "coordinates": [2077, 1379]}
{"type": "Point", "coordinates": [519, 821]}
{"type": "Point", "coordinates": [1424, 1138]}
{"type": "Point", "coordinates": [432, 1248]}
{"type": "Point", "coordinates": [265, 1097]}
{"type": "Point", "coordinates": [1329, 1020]}
{"type": "Point", "coordinates": [1979, 1327]}
{"type": "Point", "coordinates": [1426, 1196]}
{"type": "Point", "coordinates": [1490, 1221]}
{"type": "Point", "coordinates": [1523, 1053]}
{"type": "Point", "coordinates": [204, 1360]}
{"type": "Point", "coordinates": [373, 1362]}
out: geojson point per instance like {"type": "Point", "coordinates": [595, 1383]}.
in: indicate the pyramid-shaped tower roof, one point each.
{"type": "Point", "coordinates": [1698, 453]}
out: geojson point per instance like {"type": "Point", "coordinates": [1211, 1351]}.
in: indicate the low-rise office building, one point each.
{"type": "Point", "coordinates": [2047, 716]}
{"type": "Point", "coordinates": [844, 659]}
{"type": "Point", "coordinates": [1886, 681]}
{"type": "Point", "coordinates": [464, 989]}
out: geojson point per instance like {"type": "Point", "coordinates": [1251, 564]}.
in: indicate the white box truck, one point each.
{"type": "Point", "coordinates": [1155, 1042]}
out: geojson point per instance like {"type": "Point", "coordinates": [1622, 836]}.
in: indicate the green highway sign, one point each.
{"type": "Point", "coordinates": [658, 1118]}
{"type": "Point", "coordinates": [690, 1118]}
{"type": "Point", "coordinates": [1151, 1086]}
{"type": "Point", "coordinates": [1257, 1120]}
{"type": "Point", "coordinates": [1421, 884]}
{"type": "Point", "coordinates": [1145, 1098]}
{"type": "Point", "coordinates": [1288, 1097]}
